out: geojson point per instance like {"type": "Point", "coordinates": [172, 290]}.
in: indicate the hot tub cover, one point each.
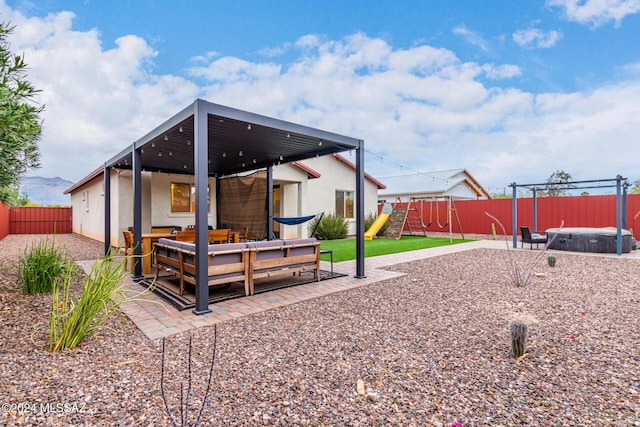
{"type": "Point", "coordinates": [603, 231]}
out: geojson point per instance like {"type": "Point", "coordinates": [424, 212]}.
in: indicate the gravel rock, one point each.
{"type": "Point", "coordinates": [430, 348]}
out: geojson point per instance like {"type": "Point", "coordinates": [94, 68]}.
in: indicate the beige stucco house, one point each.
{"type": "Point", "coordinates": [322, 184]}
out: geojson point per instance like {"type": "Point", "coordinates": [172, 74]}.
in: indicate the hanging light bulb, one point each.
{"type": "Point", "coordinates": [166, 137]}
{"type": "Point", "coordinates": [240, 153]}
{"type": "Point", "coordinates": [180, 129]}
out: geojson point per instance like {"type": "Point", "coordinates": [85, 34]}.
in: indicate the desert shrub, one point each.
{"type": "Point", "coordinates": [74, 318]}
{"type": "Point", "coordinates": [41, 266]}
{"type": "Point", "coordinates": [520, 275]}
{"type": "Point", "coordinates": [368, 222]}
{"type": "Point", "coordinates": [330, 227]}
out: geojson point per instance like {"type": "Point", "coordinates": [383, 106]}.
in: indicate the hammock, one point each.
{"type": "Point", "coordinates": [296, 220]}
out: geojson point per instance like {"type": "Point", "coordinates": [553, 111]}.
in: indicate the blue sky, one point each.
{"type": "Point", "coordinates": [511, 91]}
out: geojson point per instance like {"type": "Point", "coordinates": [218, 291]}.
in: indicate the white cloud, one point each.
{"type": "Point", "coordinates": [419, 107]}
{"type": "Point", "coordinates": [204, 59]}
{"type": "Point", "coordinates": [498, 72]}
{"type": "Point", "coordinates": [632, 70]}
{"type": "Point", "coordinates": [597, 12]}
{"type": "Point", "coordinates": [471, 37]}
{"type": "Point", "coordinates": [535, 37]}
{"type": "Point", "coordinates": [97, 101]}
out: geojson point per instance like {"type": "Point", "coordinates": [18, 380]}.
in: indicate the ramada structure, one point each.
{"type": "Point", "coordinates": [207, 142]}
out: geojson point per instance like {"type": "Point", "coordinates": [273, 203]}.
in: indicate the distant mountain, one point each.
{"type": "Point", "coordinates": [46, 191]}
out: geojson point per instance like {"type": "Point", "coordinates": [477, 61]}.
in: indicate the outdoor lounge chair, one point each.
{"type": "Point", "coordinates": [531, 238]}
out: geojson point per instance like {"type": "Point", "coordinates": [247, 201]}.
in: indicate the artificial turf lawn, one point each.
{"type": "Point", "coordinates": [344, 250]}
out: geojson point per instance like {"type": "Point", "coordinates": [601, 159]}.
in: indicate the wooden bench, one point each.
{"type": "Point", "coordinates": [225, 263]}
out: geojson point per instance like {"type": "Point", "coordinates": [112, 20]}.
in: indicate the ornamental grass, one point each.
{"type": "Point", "coordinates": [75, 318]}
{"type": "Point", "coordinates": [41, 266]}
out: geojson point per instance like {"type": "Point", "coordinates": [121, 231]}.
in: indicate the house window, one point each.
{"type": "Point", "coordinates": [180, 197]}
{"type": "Point", "coordinates": [344, 204]}
{"type": "Point", "coordinates": [183, 197]}
{"type": "Point", "coordinates": [85, 199]}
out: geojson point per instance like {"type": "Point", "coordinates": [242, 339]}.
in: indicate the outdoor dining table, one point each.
{"type": "Point", "coordinates": [147, 247]}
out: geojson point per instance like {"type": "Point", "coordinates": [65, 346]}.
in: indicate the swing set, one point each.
{"type": "Point", "coordinates": [450, 207]}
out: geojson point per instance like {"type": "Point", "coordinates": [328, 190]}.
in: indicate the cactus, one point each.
{"type": "Point", "coordinates": [518, 337]}
{"type": "Point", "coordinates": [551, 260]}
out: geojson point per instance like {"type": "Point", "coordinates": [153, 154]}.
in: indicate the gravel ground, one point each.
{"type": "Point", "coordinates": [429, 348]}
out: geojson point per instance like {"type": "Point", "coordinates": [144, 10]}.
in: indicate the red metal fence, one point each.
{"type": "Point", "coordinates": [576, 211]}
{"type": "Point", "coordinates": [36, 220]}
{"type": "Point", "coordinates": [4, 221]}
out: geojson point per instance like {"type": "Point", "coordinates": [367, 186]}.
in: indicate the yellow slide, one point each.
{"type": "Point", "coordinates": [379, 222]}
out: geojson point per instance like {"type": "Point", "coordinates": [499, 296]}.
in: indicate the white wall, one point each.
{"type": "Point", "coordinates": [160, 203]}
{"type": "Point", "coordinates": [88, 210]}
{"type": "Point", "coordinates": [293, 184]}
{"type": "Point", "coordinates": [88, 205]}
{"type": "Point", "coordinates": [300, 196]}
{"type": "Point", "coordinates": [335, 175]}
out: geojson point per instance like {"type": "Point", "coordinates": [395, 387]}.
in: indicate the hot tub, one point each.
{"type": "Point", "coordinates": [587, 239]}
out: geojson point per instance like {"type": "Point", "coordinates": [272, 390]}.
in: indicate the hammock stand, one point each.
{"type": "Point", "coordinates": [297, 220]}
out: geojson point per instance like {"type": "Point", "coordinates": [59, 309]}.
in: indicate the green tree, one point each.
{"type": "Point", "coordinates": [635, 188]}
{"type": "Point", "coordinates": [14, 198]}
{"type": "Point", "coordinates": [20, 124]}
{"type": "Point", "coordinates": [557, 184]}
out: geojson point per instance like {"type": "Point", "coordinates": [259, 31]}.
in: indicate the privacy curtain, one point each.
{"type": "Point", "coordinates": [242, 202]}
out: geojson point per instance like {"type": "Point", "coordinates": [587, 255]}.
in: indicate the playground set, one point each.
{"type": "Point", "coordinates": [412, 214]}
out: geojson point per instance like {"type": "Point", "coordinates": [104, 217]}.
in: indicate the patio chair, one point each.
{"type": "Point", "coordinates": [531, 238]}
{"type": "Point", "coordinates": [128, 247]}
{"type": "Point", "coordinates": [243, 235]}
{"type": "Point", "coordinates": [221, 235]}
{"type": "Point", "coordinates": [188, 235]}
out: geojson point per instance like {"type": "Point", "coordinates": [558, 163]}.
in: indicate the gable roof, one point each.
{"type": "Point", "coordinates": [93, 175]}
{"type": "Point", "coordinates": [380, 185]}
{"type": "Point", "coordinates": [457, 183]}
{"type": "Point", "coordinates": [311, 173]}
